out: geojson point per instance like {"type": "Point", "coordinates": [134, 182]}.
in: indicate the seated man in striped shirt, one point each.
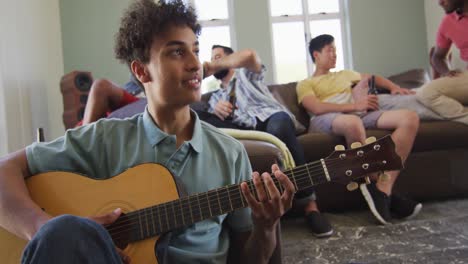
{"type": "Point", "coordinates": [254, 107]}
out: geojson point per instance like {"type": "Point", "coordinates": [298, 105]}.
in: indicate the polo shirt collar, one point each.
{"type": "Point", "coordinates": [156, 135]}
{"type": "Point", "coordinates": [197, 139]}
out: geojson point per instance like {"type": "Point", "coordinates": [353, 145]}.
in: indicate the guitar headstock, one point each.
{"type": "Point", "coordinates": [349, 165]}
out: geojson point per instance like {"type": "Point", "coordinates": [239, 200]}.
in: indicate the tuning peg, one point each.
{"type": "Point", "coordinates": [370, 140]}
{"type": "Point", "coordinates": [384, 177]}
{"type": "Point", "coordinates": [339, 147]}
{"type": "Point", "coordinates": [352, 186]}
{"type": "Point", "coordinates": [356, 145]}
{"type": "Point", "coordinates": [368, 181]}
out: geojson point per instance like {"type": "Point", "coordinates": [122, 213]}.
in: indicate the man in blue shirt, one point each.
{"type": "Point", "coordinates": [241, 74]}
{"type": "Point", "coordinates": [158, 41]}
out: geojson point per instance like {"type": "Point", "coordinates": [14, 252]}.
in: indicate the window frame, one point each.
{"type": "Point", "coordinates": [217, 22]}
{"type": "Point", "coordinates": [342, 15]}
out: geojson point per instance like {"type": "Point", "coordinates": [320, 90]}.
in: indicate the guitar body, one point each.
{"type": "Point", "coordinates": [68, 193]}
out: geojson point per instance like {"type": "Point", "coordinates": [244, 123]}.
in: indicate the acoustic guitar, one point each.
{"type": "Point", "coordinates": [152, 206]}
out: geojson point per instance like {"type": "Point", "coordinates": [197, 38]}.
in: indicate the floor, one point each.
{"type": "Point", "coordinates": [439, 234]}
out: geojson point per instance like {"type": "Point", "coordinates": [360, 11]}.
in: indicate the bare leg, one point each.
{"type": "Point", "coordinates": [351, 127]}
{"type": "Point", "coordinates": [405, 124]}
{"type": "Point", "coordinates": [103, 96]}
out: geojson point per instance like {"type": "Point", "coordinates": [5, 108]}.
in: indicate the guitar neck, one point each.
{"type": "Point", "coordinates": [156, 220]}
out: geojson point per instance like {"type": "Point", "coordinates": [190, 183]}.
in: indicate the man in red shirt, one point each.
{"type": "Point", "coordinates": [448, 96]}
{"type": "Point", "coordinates": [106, 96]}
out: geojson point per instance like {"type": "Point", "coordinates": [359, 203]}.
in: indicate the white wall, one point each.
{"type": "Point", "coordinates": [31, 67]}
{"type": "Point", "coordinates": [88, 30]}
{"type": "Point", "coordinates": [252, 25]}
{"type": "Point", "coordinates": [434, 14]}
{"type": "Point", "coordinates": [388, 37]}
{"type": "Point", "coordinates": [377, 27]}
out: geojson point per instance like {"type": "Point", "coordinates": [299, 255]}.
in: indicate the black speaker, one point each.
{"type": "Point", "coordinates": [75, 88]}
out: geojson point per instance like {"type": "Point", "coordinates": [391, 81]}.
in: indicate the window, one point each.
{"type": "Point", "coordinates": [216, 29]}
{"type": "Point", "coordinates": [294, 24]}
{"type": "Point", "coordinates": [289, 52]}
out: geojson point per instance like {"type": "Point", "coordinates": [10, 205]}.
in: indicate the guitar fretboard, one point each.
{"type": "Point", "coordinates": [156, 220]}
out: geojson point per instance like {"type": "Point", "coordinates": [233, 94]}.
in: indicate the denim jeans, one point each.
{"type": "Point", "coordinates": [71, 239]}
{"type": "Point", "coordinates": [281, 126]}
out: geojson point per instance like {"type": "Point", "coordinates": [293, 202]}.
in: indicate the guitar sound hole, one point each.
{"type": "Point", "coordinates": [120, 232]}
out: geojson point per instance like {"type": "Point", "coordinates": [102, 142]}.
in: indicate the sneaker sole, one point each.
{"type": "Point", "coordinates": [371, 204]}
{"type": "Point", "coordinates": [322, 235]}
{"type": "Point", "coordinates": [416, 211]}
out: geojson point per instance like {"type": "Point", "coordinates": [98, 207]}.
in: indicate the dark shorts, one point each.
{"type": "Point", "coordinates": [323, 123]}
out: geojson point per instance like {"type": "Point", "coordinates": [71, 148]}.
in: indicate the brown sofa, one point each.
{"type": "Point", "coordinates": [436, 169]}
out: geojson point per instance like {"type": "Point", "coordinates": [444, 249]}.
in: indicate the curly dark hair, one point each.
{"type": "Point", "coordinates": [144, 20]}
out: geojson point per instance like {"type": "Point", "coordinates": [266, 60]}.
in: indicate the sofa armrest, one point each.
{"type": "Point", "coordinates": [411, 79]}
{"type": "Point", "coordinates": [262, 155]}
{"type": "Point", "coordinates": [260, 136]}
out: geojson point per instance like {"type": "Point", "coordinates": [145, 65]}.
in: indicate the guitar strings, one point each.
{"type": "Point", "coordinates": [300, 174]}
{"type": "Point", "coordinates": [211, 191]}
{"type": "Point", "coordinates": [139, 225]}
{"type": "Point", "coordinates": [298, 177]}
{"type": "Point", "coordinates": [168, 215]}
{"type": "Point", "coordinates": [204, 200]}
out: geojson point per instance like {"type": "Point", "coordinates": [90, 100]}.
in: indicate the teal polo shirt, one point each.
{"type": "Point", "coordinates": [209, 160]}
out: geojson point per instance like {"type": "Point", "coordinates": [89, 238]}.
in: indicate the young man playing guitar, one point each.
{"type": "Point", "coordinates": [158, 41]}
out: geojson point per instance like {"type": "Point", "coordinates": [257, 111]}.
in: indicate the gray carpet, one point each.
{"type": "Point", "coordinates": [439, 234]}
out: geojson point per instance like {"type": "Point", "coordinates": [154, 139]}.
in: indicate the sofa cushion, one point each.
{"type": "Point", "coordinates": [287, 96]}
{"type": "Point", "coordinates": [262, 154]}
{"type": "Point", "coordinates": [432, 136]}
{"type": "Point", "coordinates": [441, 135]}
{"type": "Point", "coordinates": [411, 79]}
